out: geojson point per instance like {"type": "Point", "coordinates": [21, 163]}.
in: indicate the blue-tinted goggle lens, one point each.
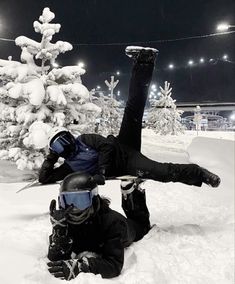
{"type": "Point", "coordinates": [79, 199]}
{"type": "Point", "coordinates": [58, 144]}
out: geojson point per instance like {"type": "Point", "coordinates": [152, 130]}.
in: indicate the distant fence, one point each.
{"type": "Point", "coordinates": [206, 106]}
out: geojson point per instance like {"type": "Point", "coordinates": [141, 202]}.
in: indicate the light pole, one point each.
{"type": "Point", "coordinates": [197, 118]}
{"type": "Point", "coordinates": [190, 63]}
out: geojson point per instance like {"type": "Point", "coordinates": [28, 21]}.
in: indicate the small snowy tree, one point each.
{"type": "Point", "coordinates": [34, 98]}
{"type": "Point", "coordinates": [110, 116]}
{"type": "Point", "coordinates": [163, 116]}
{"type": "Point", "coordinates": [111, 85]}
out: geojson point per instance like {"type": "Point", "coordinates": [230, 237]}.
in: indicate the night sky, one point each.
{"type": "Point", "coordinates": [116, 23]}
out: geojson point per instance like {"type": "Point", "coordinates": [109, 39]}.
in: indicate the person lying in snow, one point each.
{"type": "Point", "coordinates": [115, 156]}
{"type": "Point", "coordinates": [87, 235]}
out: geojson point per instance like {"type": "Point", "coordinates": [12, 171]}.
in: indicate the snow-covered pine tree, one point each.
{"type": "Point", "coordinates": [110, 116]}
{"type": "Point", "coordinates": [163, 116]}
{"type": "Point", "coordinates": [36, 98]}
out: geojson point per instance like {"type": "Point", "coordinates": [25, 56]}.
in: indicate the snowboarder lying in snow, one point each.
{"type": "Point", "coordinates": [87, 228]}
{"type": "Point", "coordinates": [114, 156]}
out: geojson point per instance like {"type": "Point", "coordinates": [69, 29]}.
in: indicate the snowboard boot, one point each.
{"type": "Point", "coordinates": [134, 205]}
{"type": "Point", "coordinates": [128, 186]}
{"type": "Point", "coordinates": [131, 189]}
{"type": "Point", "coordinates": [210, 178]}
{"type": "Point", "coordinates": [141, 54]}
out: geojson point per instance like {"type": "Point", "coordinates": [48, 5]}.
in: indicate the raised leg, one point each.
{"type": "Point", "coordinates": [130, 131]}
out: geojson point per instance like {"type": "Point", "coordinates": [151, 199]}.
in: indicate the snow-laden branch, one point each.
{"type": "Point", "coordinates": [67, 73]}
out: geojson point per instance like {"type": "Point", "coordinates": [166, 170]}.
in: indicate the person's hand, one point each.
{"type": "Point", "coordinates": [64, 269]}
{"type": "Point", "coordinates": [99, 179]}
{"type": "Point", "coordinates": [52, 157]}
{"type": "Point", "coordinates": [49, 161]}
{"type": "Point", "coordinates": [67, 269]}
{"type": "Point", "coordinates": [60, 243]}
{"type": "Point", "coordinates": [58, 218]}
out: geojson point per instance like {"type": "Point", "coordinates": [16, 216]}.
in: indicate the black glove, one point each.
{"type": "Point", "coordinates": [48, 163]}
{"type": "Point", "coordinates": [67, 269]}
{"type": "Point", "coordinates": [52, 157]}
{"type": "Point", "coordinates": [60, 243]}
{"type": "Point", "coordinates": [99, 179]}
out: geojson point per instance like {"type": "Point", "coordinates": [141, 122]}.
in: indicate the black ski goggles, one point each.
{"type": "Point", "coordinates": [79, 199]}
{"type": "Point", "coordinates": [59, 144]}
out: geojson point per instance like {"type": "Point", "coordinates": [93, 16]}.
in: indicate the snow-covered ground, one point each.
{"type": "Point", "coordinates": [193, 241]}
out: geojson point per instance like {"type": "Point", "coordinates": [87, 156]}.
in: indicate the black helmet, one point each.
{"type": "Point", "coordinates": [77, 182]}
{"type": "Point", "coordinates": [78, 189]}
{"type": "Point", "coordinates": [63, 143]}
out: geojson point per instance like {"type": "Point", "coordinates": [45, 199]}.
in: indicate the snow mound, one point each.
{"type": "Point", "coordinates": [212, 152]}
{"type": "Point", "coordinates": [217, 155]}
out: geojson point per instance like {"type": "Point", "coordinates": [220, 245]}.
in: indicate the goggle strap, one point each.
{"type": "Point", "coordinates": [93, 192]}
{"type": "Point", "coordinates": [63, 139]}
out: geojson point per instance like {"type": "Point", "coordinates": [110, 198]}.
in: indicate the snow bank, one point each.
{"type": "Point", "coordinates": [218, 155]}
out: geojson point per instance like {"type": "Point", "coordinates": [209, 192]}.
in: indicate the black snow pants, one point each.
{"type": "Point", "coordinates": [130, 136]}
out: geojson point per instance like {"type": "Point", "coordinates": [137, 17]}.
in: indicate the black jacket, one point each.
{"type": "Point", "coordinates": [107, 234]}
{"type": "Point", "coordinates": [111, 161]}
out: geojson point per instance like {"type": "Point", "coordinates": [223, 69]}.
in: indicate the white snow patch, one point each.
{"type": "Point", "coordinates": [38, 135]}
{"type": "Point", "coordinates": [192, 242]}
{"type": "Point", "coordinates": [56, 95]}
